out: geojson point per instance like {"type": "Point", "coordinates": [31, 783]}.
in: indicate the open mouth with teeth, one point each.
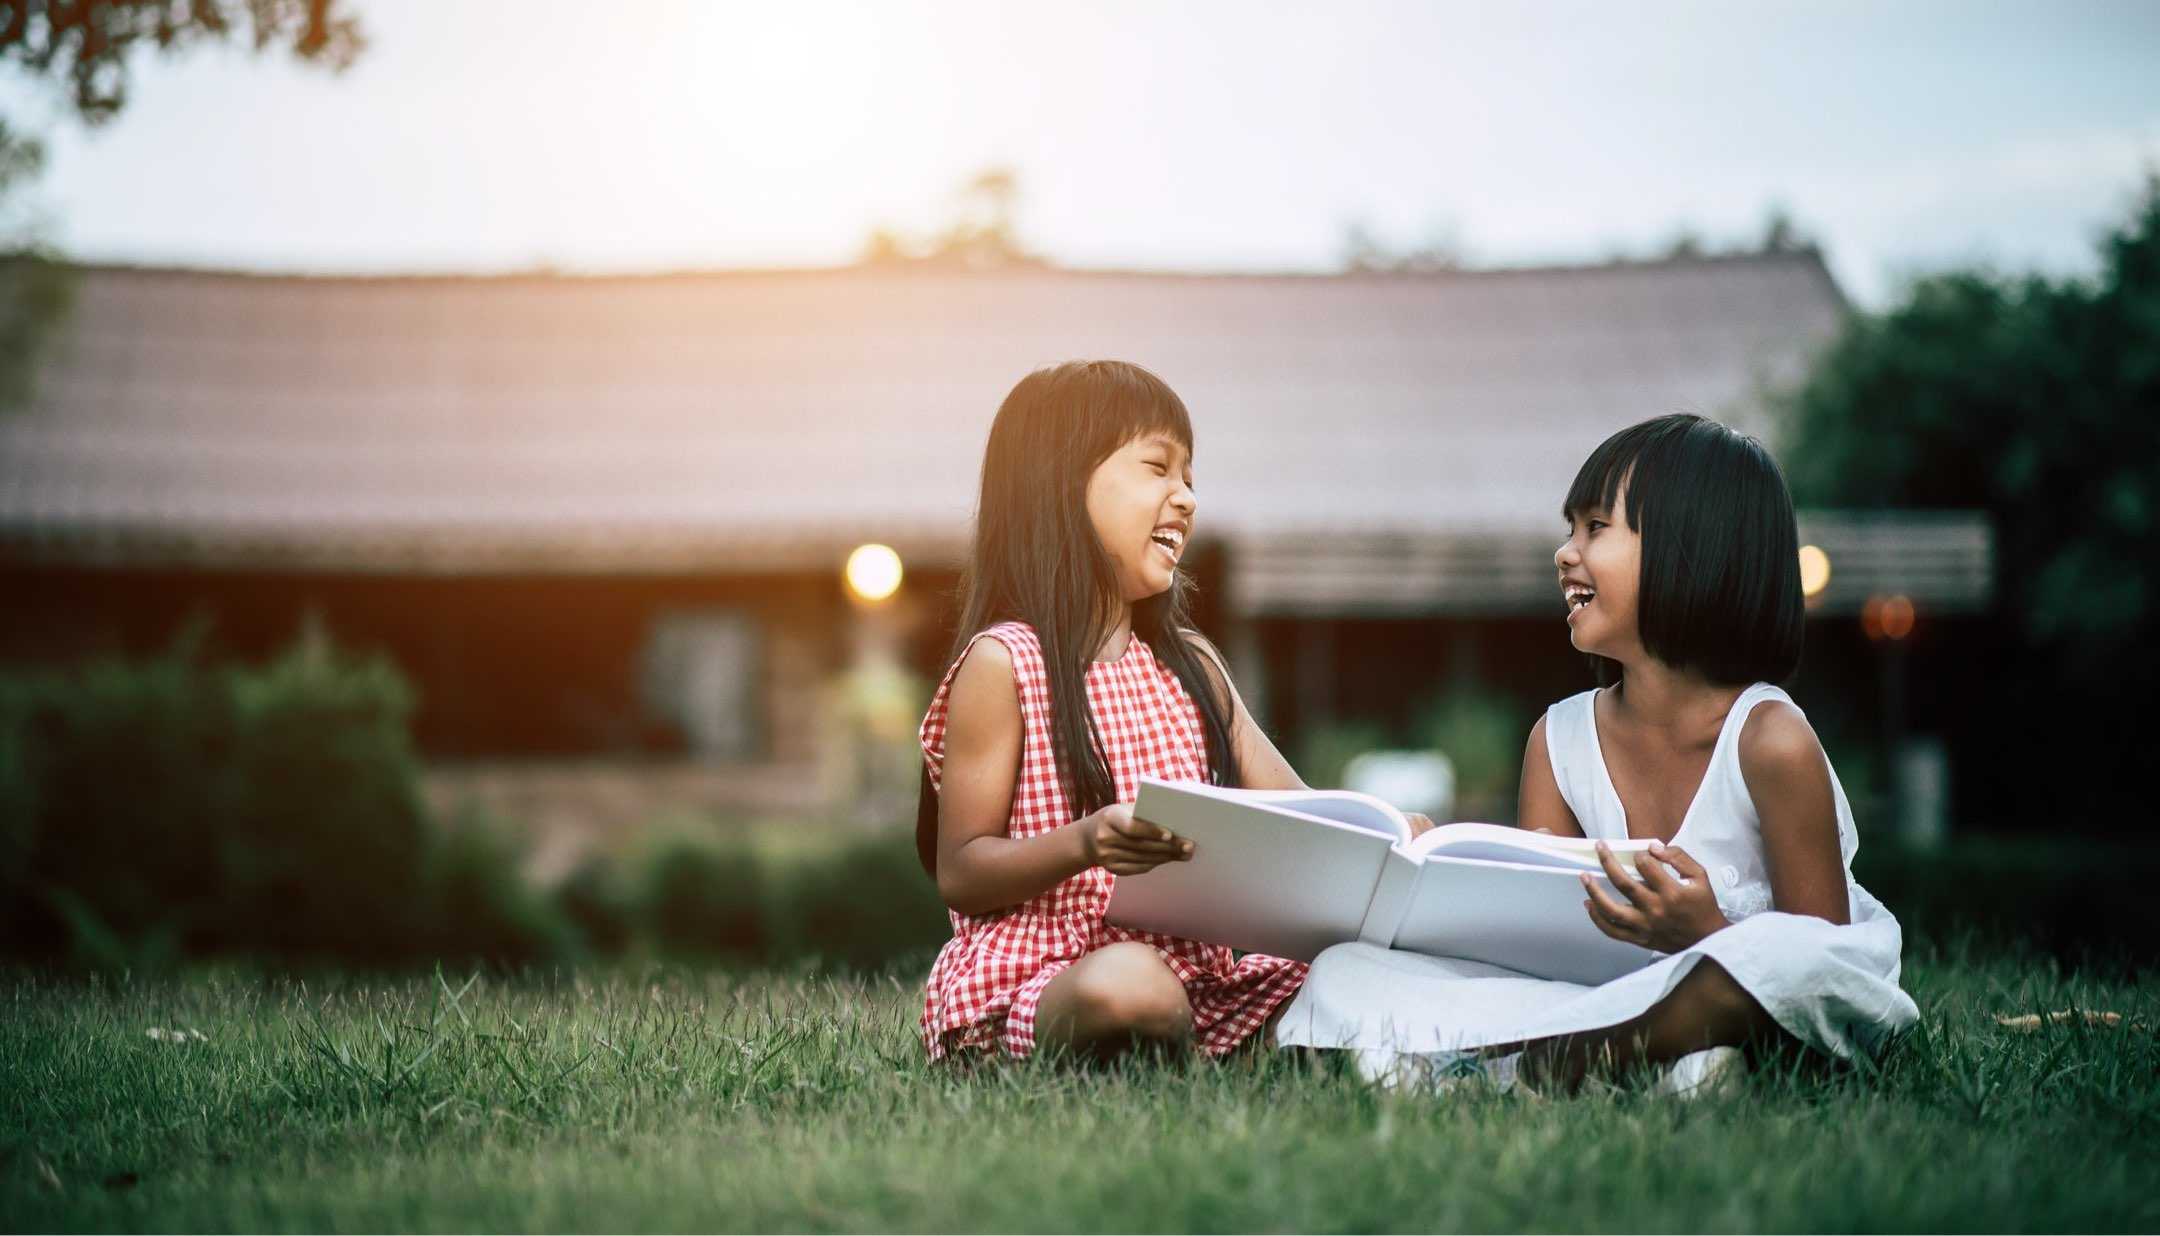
{"type": "Point", "coordinates": [1578, 596]}
{"type": "Point", "coordinates": [1172, 541]}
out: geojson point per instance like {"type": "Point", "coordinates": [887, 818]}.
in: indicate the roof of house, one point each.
{"type": "Point", "coordinates": [743, 419]}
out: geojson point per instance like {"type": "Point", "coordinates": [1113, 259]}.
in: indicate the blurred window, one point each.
{"type": "Point", "coordinates": [701, 672]}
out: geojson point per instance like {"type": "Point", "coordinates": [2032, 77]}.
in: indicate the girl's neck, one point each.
{"type": "Point", "coordinates": [1114, 644]}
{"type": "Point", "coordinates": [1654, 694]}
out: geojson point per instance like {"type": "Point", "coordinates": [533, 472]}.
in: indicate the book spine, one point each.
{"type": "Point", "coordinates": [1390, 899]}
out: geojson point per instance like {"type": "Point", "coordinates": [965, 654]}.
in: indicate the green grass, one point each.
{"type": "Point", "coordinates": [675, 1099]}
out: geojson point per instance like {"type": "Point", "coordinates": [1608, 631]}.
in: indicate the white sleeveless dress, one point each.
{"type": "Point", "coordinates": [1835, 988]}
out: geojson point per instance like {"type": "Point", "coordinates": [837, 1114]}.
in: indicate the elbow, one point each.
{"type": "Point", "coordinates": [957, 891]}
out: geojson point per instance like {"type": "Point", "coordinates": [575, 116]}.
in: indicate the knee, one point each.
{"type": "Point", "coordinates": [1133, 992]}
{"type": "Point", "coordinates": [1720, 997]}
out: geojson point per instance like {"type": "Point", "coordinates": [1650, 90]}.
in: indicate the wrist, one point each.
{"type": "Point", "coordinates": [1713, 922]}
{"type": "Point", "coordinates": [1080, 844]}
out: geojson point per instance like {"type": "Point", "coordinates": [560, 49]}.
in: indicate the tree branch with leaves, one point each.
{"type": "Point", "coordinates": [90, 43]}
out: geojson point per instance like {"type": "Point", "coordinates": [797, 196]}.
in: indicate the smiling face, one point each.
{"type": "Point", "coordinates": [1600, 567]}
{"type": "Point", "coordinates": [1141, 502]}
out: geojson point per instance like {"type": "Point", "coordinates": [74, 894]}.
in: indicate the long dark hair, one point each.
{"type": "Point", "coordinates": [1037, 560]}
{"type": "Point", "coordinates": [1720, 586]}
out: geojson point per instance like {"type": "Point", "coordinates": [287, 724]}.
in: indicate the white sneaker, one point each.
{"type": "Point", "coordinates": [1439, 1072]}
{"type": "Point", "coordinates": [1697, 1075]}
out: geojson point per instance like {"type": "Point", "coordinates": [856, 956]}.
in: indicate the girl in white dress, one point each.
{"type": "Point", "coordinates": [1681, 578]}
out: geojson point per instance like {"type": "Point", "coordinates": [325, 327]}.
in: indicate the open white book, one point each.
{"type": "Point", "coordinates": [1290, 872]}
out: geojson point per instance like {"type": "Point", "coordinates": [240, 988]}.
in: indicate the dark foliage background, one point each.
{"type": "Point", "coordinates": [2037, 401]}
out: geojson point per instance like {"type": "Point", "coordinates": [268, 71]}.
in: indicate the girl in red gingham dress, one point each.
{"type": "Point", "coordinates": [1077, 673]}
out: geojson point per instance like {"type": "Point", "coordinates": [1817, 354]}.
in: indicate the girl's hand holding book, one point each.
{"type": "Point", "coordinates": [1663, 911]}
{"type": "Point", "coordinates": [1114, 840]}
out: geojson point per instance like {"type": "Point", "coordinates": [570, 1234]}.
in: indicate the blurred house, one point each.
{"type": "Point", "coordinates": [605, 517]}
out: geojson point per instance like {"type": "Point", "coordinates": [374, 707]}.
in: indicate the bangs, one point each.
{"type": "Point", "coordinates": [1120, 402]}
{"type": "Point", "coordinates": [1597, 483]}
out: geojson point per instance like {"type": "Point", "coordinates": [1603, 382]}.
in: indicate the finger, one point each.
{"type": "Point", "coordinates": [1622, 916]}
{"type": "Point", "coordinates": [1628, 885]}
{"type": "Point", "coordinates": [1604, 923]}
{"type": "Point", "coordinates": [1655, 874]}
{"type": "Point", "coordinates": [1133, 864]}
{"type": "Point", "coordinates": [1140, 829]}
{"type": "Point", "coordinates": [1681, 860]}
{"type": "Point", "coordinates": [1153, 851]}
{"type": "Point", "coordinates": [1134, 854]}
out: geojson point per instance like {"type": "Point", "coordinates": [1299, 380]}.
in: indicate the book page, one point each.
{"type": "Point", "coordinates": [1359, 811]}
{"type": "Point", "coordinates": [1527, 918]}
{"type": "Point", "coordinates": [1499, 843]}
{"type": "Point", "coordinates": [1262, 877]}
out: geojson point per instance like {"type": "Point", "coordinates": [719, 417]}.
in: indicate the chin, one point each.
{"type": "Point", "coordinates": [1140, 589]}
{"type": "Point", "coordinates": [1583, 642]}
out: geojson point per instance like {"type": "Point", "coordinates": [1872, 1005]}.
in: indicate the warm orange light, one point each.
{"type": "Point", "coordinates": [1887, 617]}
{"type": "Point", "coordinates": [873, 572]}
{"type": "Point", "coordinates": [1814, 570]}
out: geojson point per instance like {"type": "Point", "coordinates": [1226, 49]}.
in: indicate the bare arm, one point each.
{"type": "Point", "coordinates": [1538, 805]}
{"type": "Point", "coordinates": [980, 867]}
{"type": "Point", "coordinates": [1789, 778]}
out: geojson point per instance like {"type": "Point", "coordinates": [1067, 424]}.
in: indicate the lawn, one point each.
{"type": "Point", "coordinates": [675, 1098]}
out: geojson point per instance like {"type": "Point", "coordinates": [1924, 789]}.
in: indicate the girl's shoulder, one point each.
{"type": "Point", "coordinates": [1003, 657]}
{"type": "Point", "coordinates": [991, 682]}
{"type": "Point", "coordinates": [1579, 703]}
{"type": "Point", "coordinates": [1017, 638]}
{"type": "Point", "coordinates": [1009, 647]}
{"type": "Point", "coordinates": [1568, 722]}
{"type": "Point", "coordinates": [1775, 738]}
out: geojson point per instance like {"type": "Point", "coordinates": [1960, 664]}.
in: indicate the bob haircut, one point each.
{"type": "Point", "coordinates": [1720, 587]}
{"type": "Point", "coordinates": [1037, 559]}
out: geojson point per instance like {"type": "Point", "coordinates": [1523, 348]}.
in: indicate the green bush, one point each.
{"type": "Point", "coordinates": [157, 806]}
{"type": "Point", "coordinates": [2073, 898]}
{"type": "Point", "coordinates": [697, 890]}
{"type": "Point", "coordinates": [830, 897]}
{"type": "Point", "coordinates": [860, 902]}
{"type": "Point", "coordinates": [1481, 731]}
{"type": "Point", "coordinates": [1328, 752]}
{"type": "Point", "coordinates": [477, 906]}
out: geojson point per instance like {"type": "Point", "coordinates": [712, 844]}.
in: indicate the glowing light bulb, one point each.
{"type": "Point", "coordinates": [873, 572]}
{"type": "Point", "coordinates": [1814, 570]}
{"type": "Point", "coordinates": [1889, 617]}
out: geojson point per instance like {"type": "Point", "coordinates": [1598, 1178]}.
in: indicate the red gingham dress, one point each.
{"type": "Point", "coordinates": [983, 989]}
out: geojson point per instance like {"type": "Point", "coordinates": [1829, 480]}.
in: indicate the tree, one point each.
{"type": "Point", "coordinates": [2037, 401]}
{"type": "Point", "coordinates": [981, 236]}
{"type": "Point", "coordinates": [89, 45]}
{"type": "Point", "coordinates": [1364, 252]}
{"type": "Point", "coordinates": [35, 290]}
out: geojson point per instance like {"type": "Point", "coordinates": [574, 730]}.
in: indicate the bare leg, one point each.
{"type": "Point", "coordinates": [1112, 1000]}
{"type": "Point", "coordinates": [1706, 1009]}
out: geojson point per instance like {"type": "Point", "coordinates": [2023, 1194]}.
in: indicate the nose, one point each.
{"type": "Point", "coordinates": [1565, 556]}
{"type": "Point", "coordinates": [1185, 501]}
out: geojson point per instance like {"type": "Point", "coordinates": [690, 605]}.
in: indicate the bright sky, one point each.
{"type": "Point", "coordinates": [505, 134]}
